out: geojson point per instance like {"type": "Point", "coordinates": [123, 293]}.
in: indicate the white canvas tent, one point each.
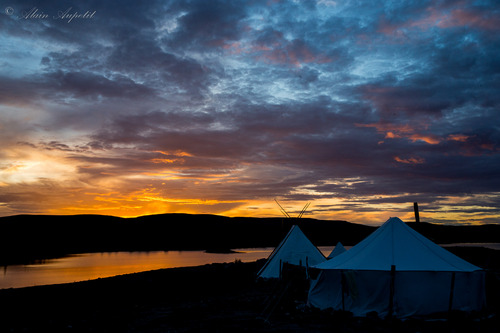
{"type": "Point", "coordinates": [338, 249]}
{"type": "Point", "coordinates": [396, 271]}
{"type": "Point", "coordinates": [294, 249]}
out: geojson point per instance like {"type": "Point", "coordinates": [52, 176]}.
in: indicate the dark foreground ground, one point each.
{"type": "Point", "coordinates": [212, 298]}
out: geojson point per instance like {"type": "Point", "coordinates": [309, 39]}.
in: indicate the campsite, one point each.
{"type": "Point", "coordinates": [210, 298]}
{"type": "Point", "coordinates": [250, 166]}
{"type": "Point", "coordinates": [231, 297]}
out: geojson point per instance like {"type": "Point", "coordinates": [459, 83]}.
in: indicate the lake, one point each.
{"type": "Point", "coordinates": [89, 266]}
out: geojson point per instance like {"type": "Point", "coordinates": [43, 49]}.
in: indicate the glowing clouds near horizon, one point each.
{"type": "Point", "coordinates": [219, 107]}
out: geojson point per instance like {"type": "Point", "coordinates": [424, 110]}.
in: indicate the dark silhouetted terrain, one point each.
{"type": "Point", "coordinates": [30, 237]}
{"type": "Point", "coordinates": [210, 298]}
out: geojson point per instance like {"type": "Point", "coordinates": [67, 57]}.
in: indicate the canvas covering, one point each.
{"type": "Point", "coordinates": [338, 249]}
{"type": "Point", "coordinates": [425, 276]}
{"type": "Point", "coordinates": [294, 249]}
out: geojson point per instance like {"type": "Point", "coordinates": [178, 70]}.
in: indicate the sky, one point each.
{"type": "Point", "coordinates": [359, 108]}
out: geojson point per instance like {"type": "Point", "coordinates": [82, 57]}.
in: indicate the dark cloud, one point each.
{"type": "Point", "coordinates": [89, 85]}
{"type": "Point", "coordinates": [207, 24]}
{"type": "Point", "coordinates": [377, 105]}
{"type": "Point", "coordinates": [145, 61]}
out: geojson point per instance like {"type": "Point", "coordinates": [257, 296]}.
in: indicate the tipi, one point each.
{"type": "Point", "coordinates": [396, 271]}
{"type": "Point", "coordinates": [294, 249]}
{"type": "Point", "coordinates": [338, 249]}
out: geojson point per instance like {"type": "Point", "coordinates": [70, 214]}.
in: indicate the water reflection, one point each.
{"type": "Point", "coordinates": [493, 246]}
{"type": "Point", "coordinates": [90, 266]}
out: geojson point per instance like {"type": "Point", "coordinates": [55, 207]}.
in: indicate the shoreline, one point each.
{"type": "Point", "coordinates": [210, 298]}
{"type": "Point", "coordinates": [83, 267]}
{"type": "Point", "coordinates": [14, 260]}
{"type": "Point", "coordinates": [28, 238]}
{"type": "Point", "coordinates": [92, 266]}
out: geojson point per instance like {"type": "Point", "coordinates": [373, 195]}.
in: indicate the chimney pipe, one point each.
{"type": "Point", "coordinates": [415, 208]}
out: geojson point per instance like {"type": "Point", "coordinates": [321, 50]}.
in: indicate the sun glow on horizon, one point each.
{"type": "Point", "coordinates": [324, 209]}
{"type": "Point", "coordinates": [360, 110]}
{"type": "Point", "coordinates": [94, 191]}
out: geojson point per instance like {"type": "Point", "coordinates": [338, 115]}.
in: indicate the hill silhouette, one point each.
{"type": "Point", "coordinates": [26, 238]}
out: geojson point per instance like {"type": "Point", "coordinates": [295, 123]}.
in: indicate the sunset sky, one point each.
{"type": "Point", "coordinates": [361, 108]}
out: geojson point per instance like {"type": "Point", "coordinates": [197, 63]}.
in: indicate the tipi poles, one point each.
{"type": "Point", "coordinates": [283, 211]}
{"type": "Point", "coordinates": [303, 210]}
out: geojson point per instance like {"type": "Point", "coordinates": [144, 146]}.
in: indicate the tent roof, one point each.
{"type": "Point", "coordinates": [395, 243]}
{"type": "Point", "coordinates": [293, 249]}
{"type": "Point", "coordinates": [339, 249]}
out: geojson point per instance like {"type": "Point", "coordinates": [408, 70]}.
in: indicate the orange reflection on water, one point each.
{"type": "Point", "coordinates": [91, 266]}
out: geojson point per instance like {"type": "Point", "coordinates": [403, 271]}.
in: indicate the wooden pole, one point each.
{"type": "Point", "coordinates": [415, 208]}
{"type": "Point", "coordinates": [307, 268]}
{"type": "Point", "coordinates": [391, 296]}
{"type": "Point", "coordinates": [343, 283]}
{"type": "Point", "coordinates": [304, 210]}
{"type": "Point", "coordinates": [452, 289]}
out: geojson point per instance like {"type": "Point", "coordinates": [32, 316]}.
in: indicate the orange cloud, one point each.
{"type": "Point", "coordinates": [174, 153]}
{"type": "Point", "coordinates": [391, 135]}
{"type": "Point", "coordinates": [14, 167]}
{"type": "Point", "coordinates": [457, 137]}
{"type": "Point", "coordinates": [174, 157]}
{"type": "Point", "coordinates": [394, 131]}
{"type": "Point", "coordinates": [430, 139]}
{"type": "Point", "coordinates": [411, 160]}
{"type": "Point", "coordinates": [166, 160]}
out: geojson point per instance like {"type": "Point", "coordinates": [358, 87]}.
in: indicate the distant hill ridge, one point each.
{"type": "Point", "coordinates": [30, 237]}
